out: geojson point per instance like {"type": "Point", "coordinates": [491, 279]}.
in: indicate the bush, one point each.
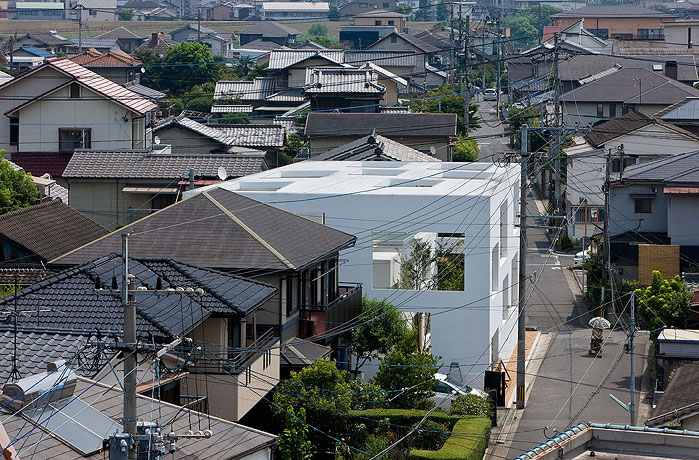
{"type": "Point", "coordinates": [430, 436]}
{"type": "Point", "coordinates": [470, 405]}
{"type": "Point", "coordinates": [380, 418]}
{"type": "Point", "coordinates": [465, 150]}
{"type": "Point", "coordinates": [318, 29]}
{"type": "Point", "coordinates": [468, 441]}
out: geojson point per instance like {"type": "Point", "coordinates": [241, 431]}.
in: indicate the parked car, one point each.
{"type": "Point", "coordinates": [580, 257]}
{"type": "Point", "coordinates": [490, 94]}
{"type": "Point", "coordinates": [448, 388]}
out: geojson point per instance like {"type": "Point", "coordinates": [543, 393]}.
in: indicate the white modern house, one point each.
{"type": "Point", "coordinates": [462, 213]}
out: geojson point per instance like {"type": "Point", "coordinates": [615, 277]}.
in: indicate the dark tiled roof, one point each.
{"type": "Point", "coordinates": [120, 32]}
{"type": "Point", "coordinates": [142, 164]}
{"type": "Point", "coordinates": [49, 39]}
{"type": "Point", "coordinates": [229, 440]}
{"type": "Point", "coordinates": [342, 80]}
{"type": "Point", "coordinates": [384, 58]}
{"type": "Point", "coordinates": [682, 169]}
{"type": "Point", "coordinates": [144, 91]}
{"type": "Point", "coordinates": [270, 29]}
{"type": "Point", "coordinates": [612, 129]}
{"type": "Point", "coordinates": [687, 109]}
{"type": "Point", "coordinates": [682, 391]}
{"type": "Point", "coordinates": [388, 124]}
{"type": "Point", "coordinates": [268, 239]}
{"type": "Point", "coordinates": [22, 274]}
{"type": "Point", "coordinates": [580, 66]}
{"type": "Point", "coordinates": [616, 11]}
{"type": "Point", "coordinates": [75, 306]}
{"type": "Point", "coordinates": [416, 42]}
{"type": "Point", "coordinates": [263, 45]}
{"type": "Point", "coordinates": [437, 40]}
{"type": "Point", "coordinates": [49, 229]}
{"type": "Point", "coordinates": [41, 163]}
{"type": "Point", "coordinates": [373, 147]}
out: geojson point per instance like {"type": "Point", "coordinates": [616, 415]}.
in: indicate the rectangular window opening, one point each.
{"type": "Point", "coordinates": [74, 91]}
{"type": "Point", "coordinates": [643, 205]}
{"type": "Point", "coordinates": [70, 139]}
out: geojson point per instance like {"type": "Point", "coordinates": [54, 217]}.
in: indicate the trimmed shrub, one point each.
{"type": "Point", "coordinates": [468, 441]}
{"type": "Point", "coordinates": [430, 436]}
{"type": "Point", "coordinates": [470, 404]}
{"type": "Point", "coordinates": [406, 418]}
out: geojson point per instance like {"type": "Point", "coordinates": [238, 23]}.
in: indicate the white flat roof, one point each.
{"type": "Point", "coordinates": [296, 6]}
{"type": "Point", "coordinates": [679, 335]}
{"type": "Point", "coordinates": [333, 178]}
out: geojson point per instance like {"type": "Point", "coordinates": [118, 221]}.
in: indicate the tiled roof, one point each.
{"type": "Point", "coordinates": [416, 42]}
{"type": "Point", "coordinates": [616, 11]}
{"type": "Point", "coordinates": [232, 135]}
{"type": "Point", "coordinates": [385, 73]}
{"type": "Point", "coordinates": [216, 238]}
{"type": "Point", "coordinates": [22, 274]}
{"type": "Point", "coordinates": [681, 392]}
{"type": "Point", "coordinates": [388, 124]}
{"type": "Point", "coordinates": [373, 147]}
{"type": "Point", "coordinates": [109, 43]}
{"type": "Point", "coordinates": [231, 109]}
{"type": "Point", "coordinates": [381, 57]}
{"type": "Point", "coordinates": [612, 129]}
{"type": "Point", "coordinates": [281, 59]}
{"type": "Point", "coordinates": [581, 66]}
{"type": "Point", "coordinates": [262, 45]}
{"type": "Point", "coordinates": [677, 170]}
{"type": "Point", "coordinates": [342, 80]}
{"type": "Point", "coordinates": [120, 32]}
{"type": "Point", "coordinates": [195, 27]}
{"type": "Point", "coordinates": [270, 29]}
{"type": "Point", "coordinates": [245, 90]}
{"type": "Point", "coordinates": [41, 162]}
{"type": "Point", "coordinates": [93, 58]}
{"type": "Point", "coordinates": [36, 51]}
{"type": "Point", "coordinates": [158, 46]}
{"type": "Point", "coordinates": [144, 91]}
{"type": "Point", "coordinates": [686, 109]}
{"type": "Point", "coordinates": [229, 439]}
{"type": "Point", "coordinates": [86, 56]}
{"type": "Point", "coordinates": [141, 164]}
{"type": "Point", "coordinates": [49, 229]}
{"type": "Point", "coordinates": [76, 307]}
{"type": "Point", "coordinates": [435, 39]}
{"type": "Point", "coordinates": [49, 39]}
{"type": "Point", "coordinates": [287, 95]}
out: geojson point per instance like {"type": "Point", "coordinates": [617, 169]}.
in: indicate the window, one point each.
{"type": "Point", "coordinates": [385, 5]}
{"type": "Point", "coordinates": [503, 229]}
{"type": "Point", "coordinates": [616, 164]}
{"type": "Point", "coordinates": [394, 39]}
{"type": "Point", "coordinates": [70, 139]}
{"type": "Point", "coordinates": [624, 36]}
{"type": "Point", "coordinates": [600, 110]}
{"type": "Point", "coordinates": [506, 297]}
{"type": "Point", "coordinates": [650, 34]}
{"type": "Point", "coordinates": [14, 131]}
{"type": "Point", "coordinates": [495, 267]}
{"type": "Point", "coordinates": [391, 22]}
{"type": "Point", "coordinates": [642, 205]}
{"type": "Point", "coordinates": [93, 12]}
{"type": "Point", "coordinates": [515, 280]}
{"type": "Point", "coordinates": [74, 91]}
{"type": "Point", "coordinates": [377, 22]}
{"type": "Point", "coordinates": [612, 110]}
{"type": "Point", "coordinates": [600, 33]}
{"type": "Point", "coordinates": [364, 5]}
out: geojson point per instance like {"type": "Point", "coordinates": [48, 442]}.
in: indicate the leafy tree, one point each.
{"type": "Point", "coordinates": [293, 442]}
{"type": "Point", "coordinates": [665, 303]}
{"type": "Point", "coordinates": [470, 404]}
{"type": "Point", "coordinates": [153, 64]}
{"type": "Point", "coordinates": [465, 150]}
{"type": "Point", "coordinates": [235, 119]}
{"type": "Point", "coordinates": [528, 24]}
{"type": "Point", "coordinates": [318, 29]}
{"type": "Point", "coordinates": [200, 98]}
{"type": "Point", "coordinates": [292, 147]}
{"type": "Point", "coordinates": [126, 14]}
{"type": "Point", "coordinates": [334, 13]}
{"type": "Point", "coordinates": [245, 63]}
{"type": "Point", "coordinates": [17, 190]}
{"type": "Point", "coordinates": [442, 11]}
{"type": "Point", "coordinates": [408, 374]}
{"type": "Point", "coordinates": [328, 42]}
{"type": "Point", "coordinates": [379, 334]}
{"type": "Point", "coordinates": [366, 395]}
{"type": "Point", "coordinates": [416, 269]}
{"type": "Point", "coordinates": [444, 99]}
{"type": "Point", "coordinates": [189, 64]}
{"type": "Point", "coordinates": [404, 8]}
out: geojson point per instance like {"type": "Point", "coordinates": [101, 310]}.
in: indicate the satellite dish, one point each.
{"type": "Point", "coordinates": [222, 174]}
{"type": "Point", "coordinates": [433, 151]}
{"type": "Point", "coordinates": [156, 139]}
{"type": "Point", "coordinates": [143, 70]}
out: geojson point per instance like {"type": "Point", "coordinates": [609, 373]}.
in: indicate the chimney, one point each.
{"type": "Point", "coordinates": [154, 38]}
{"type": "Point", "coordinates": [671, 69]}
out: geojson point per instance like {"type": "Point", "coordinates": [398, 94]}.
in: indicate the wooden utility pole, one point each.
{"type": "Point", "coordinates": [605, 230]}
{"type": "Point", "coordinates": [521, 311]}
{"type": "Point", "coordinates": [451, 48]}
{"type": "Point", "coordinates": [556, 150]}
{"type": "Point", "coordinates": [131, 360]}
{"type": "Point", "coordinates": [467, 72]}
{"type": "Point", "coordinates": [498, 56]}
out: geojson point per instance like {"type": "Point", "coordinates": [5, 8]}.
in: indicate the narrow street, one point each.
{"type": "Point", "coordinates": [491, 137]}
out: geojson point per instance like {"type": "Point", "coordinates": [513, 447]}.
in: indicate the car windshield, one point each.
{"type": "Point", "coordinates": [459, 385]}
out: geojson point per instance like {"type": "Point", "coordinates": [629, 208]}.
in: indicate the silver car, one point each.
{"type": "Point", "coordinates": [490, 94]}
{"type": "Point", "coordinates": [448, 388]}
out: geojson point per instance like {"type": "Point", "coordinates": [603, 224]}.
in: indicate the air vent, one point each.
{"type": "Point", "coordinates": [270, 186]}
{"type": "Point", "coordinates": [414, 183]}
{"type": "Point", "coordinates": [381, 172]}
{"type": "Point", "coordinates": [307, 173]}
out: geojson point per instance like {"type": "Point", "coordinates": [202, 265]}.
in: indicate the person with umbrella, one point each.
{"type": "Point", "coordinates": [598, 324]}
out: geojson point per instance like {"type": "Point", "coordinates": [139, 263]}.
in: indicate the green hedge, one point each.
{"type": "Point", "coordinates": [403, 417]}
{"type": "Point", "coordinates": [469, 446]}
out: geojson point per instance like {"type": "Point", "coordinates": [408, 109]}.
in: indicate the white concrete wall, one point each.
{"type": "Point", "coordinates": [683, 219]}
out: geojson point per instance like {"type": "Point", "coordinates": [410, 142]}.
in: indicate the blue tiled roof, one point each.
{"type": "Point", "coordinates": [37, 51]}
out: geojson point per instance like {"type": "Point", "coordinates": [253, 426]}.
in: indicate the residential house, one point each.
{"type": "Point", "coordinates": [220, 44]}
{"type": "Point", "coordinates": [229, 232]}
{"type": "Point", "coordinates": [676, 347]}
{"type": "Point", "coordinates": [116, 66]}
{"type": "Point", "coordinates": [681, 34]}
{"type": "Point", "coordinates": [49, 41]}
{"type": "Point", "coordinates": [405, 64]}
{"type": "Point", "coordinates": [288, 67]}
{"type": "Point", "coordinates": [269, 31]}
{"type": "Point", "coordinates": [576, 33]}
{"type": "Point", "coordinates": [38, 11]}
{"type": "Point", "coordinates": [103, 45]}
{"type": "Point", "coordinates": [92, 10]}
{"type": "Point", "coordinates": [360, 37]}
{"type": "Point", "coordinates": [243, 92]}
{"type": "Point", "coordinates": [684, 114]}
{"type": "Point", "coordinates": [373, 147]}
{"type": "Point", "coordinates": [634, 132]}
{"type": "Point", "coordinates": [61, 106]}
{"type": "Point", "coordinates": [47, 188]}
{"type": "Point", "coordinates": [366, 196]}
{"type": "Point", "coordinates": [120, 187]}
{"type": "Point", "coordinates": [678, 406]}
{"type": "Point", "coordinates": [279, 11]}
{"type": "Point", "coordinates": [606, 440]}
{"type": "Point", "coordinates": [423, 51]}
{"type": "Point", "coordinates": [216, 11]}
{"type": "Point", "coordinates": [614, 92]}
{"type": "Point", "coordinates": [157, 44]}
{"type": "Point", "coordinates": [380, 10]}
{"type": "Point", "coordinates": [427, 132]}
{"type": "Point", "coordinates": [127, 40]}
{"type": "Point", "coordinates": [226, 315]}
{"type": "Point", "coordinates": [39, 233]}
{"type": "Point", "coordinates": [27, 50]}
{"type": "Point", "coordinates": [653, 203]}
{"type": "Point", "coordinates": [348, 90]}
{"type": "Point", "coordinates": [164, 109]}
{"type": "Point", "coordinates": [623, 21]}
{"type": "Point", "coordinates": [394, 84]}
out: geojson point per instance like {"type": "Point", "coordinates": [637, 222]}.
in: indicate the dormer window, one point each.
{"type": "Point", "coordinates": [74, 91]}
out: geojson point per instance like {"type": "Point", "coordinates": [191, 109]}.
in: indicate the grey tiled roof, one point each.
{"type": "Point", "coordinates": [373, 147]}
{"type": "Point", "coordinates": [342, 80]}
{"type": "Point", "coordinates": [612, 129]}
{"type": "Point", "coordinates": [287, 95]}
{"type": "Point", "coordinates": [682, 169]}
{"type": "Point", "coordinates": [229, 440]}
{"type": "Point", "coordinates": [142, 164]}
{"type": "Point", "coordinates": [211, 238]}
{"type": "Point", "coordinates": [97, 43]}
{"type": "Point", "coordinates": [682, 391]}
{"type": "Point", "coordinates": [416, 42]}
{"type": "Point", "coordinates": [120, 32]}
{"type": "Point", "coordinates": [281, 59]}
{"type": "Point", "coordinates": [388, 124]}
{"type": "Point", "coordinates": [49, 229]}
{"type": "Point", "coordinates": [253, 90]}
{"type": "Point", "coordinates": [687, 109]}
{"type": "Point", "coordinates": [233, 135]}
{"type": "Point", "coordinates": [231, 109]}
{"type": "Point", "coordinates": [144, 91]}
{"type": "Point", "coordinates": [269, 29]}
{"type": "Point", "coordinates": [381, 57]}
{"type": "Point", "coordinates": [67, 301]}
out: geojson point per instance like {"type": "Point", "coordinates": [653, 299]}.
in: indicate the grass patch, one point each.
{"type": "Point", "coordinates": [468, 441]}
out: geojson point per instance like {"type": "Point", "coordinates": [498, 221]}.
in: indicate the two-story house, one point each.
{"type": "Point", "coordinates": [116, 66]}
{"type": "Point", "coordinates": [349, 90]}
{"type": "Point", "coordinates": [128, 41]}
{"type": "Point", "coordinates": [60, 106]}
{"type": "Point", "coordinates": [269, 31]}
{"type": "Point", "coordinates": [369, 25]}
{"type": "Point", "coordinates": [382, 9]}
{"type": "Point", "coordinates": [219, 43]}
{"type": "Point", "coordinates": [617, 21]}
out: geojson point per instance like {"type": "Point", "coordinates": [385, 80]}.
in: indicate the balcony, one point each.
{"type": "Point", "coordinates": [237, 361]}
{"type": "Point", "coordinates": [317, 319]}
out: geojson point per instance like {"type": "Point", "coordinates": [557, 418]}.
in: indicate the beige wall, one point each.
{"type": "Point", "coordinates": [297, 75]}
{"type": "Point", "coordinates": [616, 25]}
{"type": "Point", "coordinates": [323, 144]}
{"type": "Point", "coordinates": [391, 95]}
{"type": "Point", "coordinates": [185, 141]}
{"type": "Point", "coordinates": [399, 23]}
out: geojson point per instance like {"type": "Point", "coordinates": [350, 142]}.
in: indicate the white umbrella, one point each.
{"type": "Point", "coordinates": [599, 323]}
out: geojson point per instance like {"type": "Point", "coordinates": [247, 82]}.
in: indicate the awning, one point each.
{"type": "Point", "coordinates": [42, 181]}
{"type": "Point", "coordinates": [681, 190]}
{"type": "Point", "coordinates": [170, 190]}
{"type": "Point", "coordinates": [642, 195]}
{"type": "Point", "coordinates": [201, 182]}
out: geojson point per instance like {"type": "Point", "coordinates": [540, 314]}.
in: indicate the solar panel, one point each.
{"type": "Point", "coordinates": [77, 424]}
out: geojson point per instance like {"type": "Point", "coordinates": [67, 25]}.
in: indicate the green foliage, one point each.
{"type": "Point", "coordinates": [470, 404]}
{"type": "Point", "coordinates": [293, 442]}
{"type": "Point", "coordinates": [665, 303]}
{"type": "Point", "coordinates": [593, 266]}
{"type": "Point", "coordinates": [323, 40]}
{"type": "Point", "coordinates": [366, 395]}
{"type": "Point", "coordinates": [405, 367]}
{"type": "Point", "coordinates": [199, 98]}
{"type": "Point", "coordinates": [8, 290]}
{"type": "Point", "coordinates": [126, 14]}
{"type": "Point", "coordinates": [444, 99]}
{"type": "Point", "coordinates": [416, 268]}
{"type": "Point", "coordinates": [318, 29]}
{"type": "Point", "coordinates": [17, 190]}
{"type": "Point", "coordinates": [404, 8]}
{"type": "Point", "coordinates": [292, 147]}
{"type": "Point", "coordinates": [465, 150]}
{"type": "Point", "coordinates": [401, 417]}
{"type": "Point", "coordinates": [430, 436]}
{"type": "Point", "coordinates": [334, 13]}
{"type": "Point", "coordinates": [378, 335]}
{"type": "Point", "coordinates": [184, 66]}
{"type": "Point", "coordinates": [526, 25]}
{"type": "Point", "coordinates": [152, 63]}
{"type": "Point", "coordinates": [235, 119]}
{"type": "Point", "coordinates": [468, 441]}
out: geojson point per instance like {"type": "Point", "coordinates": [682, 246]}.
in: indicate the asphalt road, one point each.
{"type": "Point", "coordinates": [490, 126]}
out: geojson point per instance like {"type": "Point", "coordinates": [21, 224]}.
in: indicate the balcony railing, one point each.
{"type": "Point", "coordinates": [238, 360]}
{"type": "Point", "coordinates": [316, 319]}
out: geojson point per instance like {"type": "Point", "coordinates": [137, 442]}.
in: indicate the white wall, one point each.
{"type": "Point", "coordinates": [683, 219]}
{"type": "Point", "coordinates": [622, 217]}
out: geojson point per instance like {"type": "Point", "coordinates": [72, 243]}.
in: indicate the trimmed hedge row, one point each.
{"type": "Point", "coordinates": [404, 417]}
{"type": "Point", "coordinates": [469, 446]}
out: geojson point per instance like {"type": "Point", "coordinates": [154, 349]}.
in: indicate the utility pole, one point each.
{"type": "Point", "coordinates": [198, 25]}
{"type": "Point", "coordinates": [451, 42]}
{"type": "Point", "coordinates": [80, 7]}
{"type": "Point", "coordinates": [556, 150]}
{"type": "Point", "coordinates": [498, 54]}
{"type": "Point", "coordinates": [131, 361]}
{"type": "Point", "coordinates": [522, 318]}
{"type": "Point", "coordinates": [605, 229]}
{"type": "Point", "coordinates": [632, 332]}
{"type": "Point", "coordinates": [467, 62]}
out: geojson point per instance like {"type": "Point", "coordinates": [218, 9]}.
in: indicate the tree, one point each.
{"type": "Point", "coordinates": [527, 25]}
{"type": "Point", "coordinates": [245, 63]}
{"type": "Point", "coordinates": [318, 29]}
{"type": "Point", "coordinates": [334, 13]}
{"type": "Point", "coordinates": [408, 374]}
{"type": "Point", "coordinates": [404, 8]}
{"type": "Point", "coordinates": [465, 150]}
{"type": "Point", "coordinates": [292, 147]}
{"type": "Point", "coordinates": [382, 328]}
{"type": "Point", "coordinates": [470, 404]}
{"type": "Point", "coordinates": [126, 14]}
{"type": "Point", "coordinates": [189, 64]}
{"type": "Point", "coordinates": [153, 63]}
{"type": "Point", "coordinates": [293, 442]}
{"type": "Point", "coordinates": [665, 303]}
{"type": "Point", "coordinates": [426, 267]}
{"type": "Point", "coordinates": [444, 99]}
{"type": "Point", "coordinates": [17, 190]}
{"type": "Point", "coordinates": [199, 98]}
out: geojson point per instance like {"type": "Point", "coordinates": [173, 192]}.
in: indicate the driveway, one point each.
{"type": "Point", "coordinates": [491, 137]}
